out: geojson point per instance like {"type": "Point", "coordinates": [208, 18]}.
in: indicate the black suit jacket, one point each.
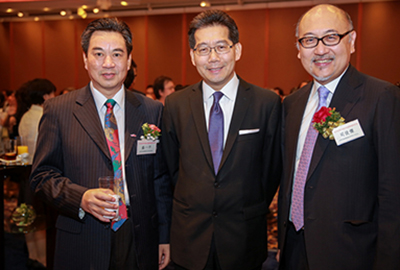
{"type": "Point", "coordinates": [351, 197]}
{"type": "Point", "coordinates": [232, 204]}
{"type": "Point", "coordinates": [71, 155]}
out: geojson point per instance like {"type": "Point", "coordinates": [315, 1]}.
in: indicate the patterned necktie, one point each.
{"type": "Point", "coordinates": [216, 131]}
{"type": "Point", "coordinates": [304, 164]}
{"type": "Point", "coordinates": [111, 132]}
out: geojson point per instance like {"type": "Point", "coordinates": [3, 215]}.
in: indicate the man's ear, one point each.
{"type": "Point", "coordinates": [238, 51]}
{"type": "Point", "coordinates": [85, 60]}
{"type": "Point", "coordinates": [192, 57]}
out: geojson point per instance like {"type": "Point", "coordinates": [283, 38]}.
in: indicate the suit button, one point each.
{"type": "Point", "coordinates": [107, 226]}
{"type": "Point", "coordinates": [310, 187]}
{"type": "Point", "coordinates": [216, 184]}
{"type": "Point", "coordinates": [215, 214]}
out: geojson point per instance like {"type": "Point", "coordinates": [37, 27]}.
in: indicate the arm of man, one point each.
{"type": "Point", "coordinates": [48, 182]}
{"type": "Point", "coordinates": [163, 191]}
{"type": "Point", "coordinates": [387, 144]}
{"type": "Point", "coordinates": [164, 256]}
{"type": "Point", "coordinates": [272, 152]}
{"type": "Point", "coordinates": [170, 142]}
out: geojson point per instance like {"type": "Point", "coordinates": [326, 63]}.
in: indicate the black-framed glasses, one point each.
{"type": "Point", "coordinates": [327, 40]}
{"type": "Point", "coordinates": [204, 50]}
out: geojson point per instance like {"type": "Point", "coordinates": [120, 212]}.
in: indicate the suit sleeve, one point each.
{"type": "Point", "coordinates": [46, 179]}
{"type": "Point", "coordinates": [387, 145]}
{"type": "Point", "coordinates": [170, 142]}
{"type": "Point", "coordinates": [272, 153]}
{"type": "Point", "coordinates": [163, 192]}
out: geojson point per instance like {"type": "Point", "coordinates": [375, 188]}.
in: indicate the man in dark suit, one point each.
{"type": "Point", "coordinates": [339, 197]}
{"type": "Point", "coordinates": [223, 156]}
{"type": "Point", "coordinates": [73, 152]}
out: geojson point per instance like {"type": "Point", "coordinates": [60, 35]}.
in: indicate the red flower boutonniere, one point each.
{"type": "Point", "coordinates": [150, 132]}
{"type": "Point", "coordinates": [325, 120]}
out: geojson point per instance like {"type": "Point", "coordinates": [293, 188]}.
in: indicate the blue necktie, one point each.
{"type": "Point", "coordinates": [304, 164]}
{"type": "Point", "coordinates": [216, 131]}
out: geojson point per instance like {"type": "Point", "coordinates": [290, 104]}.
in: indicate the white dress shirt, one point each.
{"type": "Point", "coordinates": [227, 102]}
{"type": "Point", "coordinates": [119, 113]}
{"type": "Point", "coordinates": [312, 105]}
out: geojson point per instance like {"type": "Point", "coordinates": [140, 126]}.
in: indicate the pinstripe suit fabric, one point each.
{"type": "Point", "coordinates": [72, 153]}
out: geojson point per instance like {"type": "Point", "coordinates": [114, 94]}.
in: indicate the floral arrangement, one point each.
{"type": "Point", "coordinates": [325, 120]}
{"type": "Point", "coordinates": [151, 132]}
{"type": "Point", "coordinates": [24, 215]}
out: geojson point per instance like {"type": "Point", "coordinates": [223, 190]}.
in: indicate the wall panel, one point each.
{"type": "Point", "coordinates": [52, 48]}
{"type": "Point", "coordinates": [165, 47]}
{"type": "Point", "coordinates": [5, 51]}
{"type": "Point", "coordinates": [28, 57]}
{"type": "Point", "coordinates": [380, 40]}
{"type": "Point", "coordinates": [60, 53]}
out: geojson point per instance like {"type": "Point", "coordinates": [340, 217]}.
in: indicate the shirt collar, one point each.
{"type": "Point", "coordinates": [229, 90]}
{"type": "Point", "coordinates": [100, 99]}
{"type": "Point", "coordinates": [331, 86]}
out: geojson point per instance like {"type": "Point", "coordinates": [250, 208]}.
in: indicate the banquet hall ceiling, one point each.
{"type": "Point", "coordinates": [51, 8]}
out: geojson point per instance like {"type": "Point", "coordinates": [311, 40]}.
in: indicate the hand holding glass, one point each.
{"type": "Point", "coordinates": [108, 183]}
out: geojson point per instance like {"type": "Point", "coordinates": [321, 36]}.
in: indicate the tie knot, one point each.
{"type": "Point", "coordinates": [110, 103]}
{"type": "Point", "coordinates": [217, 96]}
{"type": "Point", "coordinates": [323, 93]}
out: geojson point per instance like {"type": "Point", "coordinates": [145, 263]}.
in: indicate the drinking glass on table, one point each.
{"type": "Point", "coordinates": [109, 183]}
{"type": "Point", "coordinates": [10, 149]}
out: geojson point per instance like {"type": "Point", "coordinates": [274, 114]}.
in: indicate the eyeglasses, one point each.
{"type": "Point", "coordinates": [204, 50]}
{"type": "Point", "coordinates": [328, 40]}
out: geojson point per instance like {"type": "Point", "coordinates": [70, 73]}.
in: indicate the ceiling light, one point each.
{"type": "Point", "coordinates": [84, 6]}
{"type": "Point", "coordinates": [96, 10]}
{"type": "Point", "coordinates": [46, 9]}
{"type": "Point", "coordinates": [9, 10]}
{"type": "Point", "coordinates": [36, 19]}
{"type": "Point", "coordinates": [20, 14]}
{"type": "Point", "coordinates": [63, 13]}
{"type": "Point", "coordinates": [205, 4]}
{"type": "Point", "coordinates": [81, 11]}
{"type": "Point", "coordinates": [124, 3]}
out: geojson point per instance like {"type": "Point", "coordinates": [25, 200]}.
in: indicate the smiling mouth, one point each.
{"type": "Point", "coordinates": [217, 69]}
{"type": "Point", "coordinates": [323, 60]}
{"type": "Point", "coordinates": [108, 75]}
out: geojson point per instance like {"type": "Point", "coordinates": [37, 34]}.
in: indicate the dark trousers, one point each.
{"type": "Point", "coordinates": [294, 255]}
{"type": "Point", "coordinates": [212, 260]}
{"type": "Point", "coordinates": [123, 254]}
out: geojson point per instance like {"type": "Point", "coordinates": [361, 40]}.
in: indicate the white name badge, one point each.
{"type": "Point", "coordinates": [347, 132]}
{"type": "Point", "coordinates": [146, 147]}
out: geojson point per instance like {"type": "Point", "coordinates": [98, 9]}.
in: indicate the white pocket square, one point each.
{"type": "Point", "coordinates": [248, 131]}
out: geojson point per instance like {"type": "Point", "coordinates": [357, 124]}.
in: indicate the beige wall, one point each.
{"type": "Point", "coordinates": [50, 49]}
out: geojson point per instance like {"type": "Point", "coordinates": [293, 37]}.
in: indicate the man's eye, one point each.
{"type": "Point", "coordinates": [332, 37]}
{"type": "Point", "coordinates": [203, 49]}
{"type": "Point", "coordinates": [309, 40]}
{"type": "Point", "coordinates": [98, 54]}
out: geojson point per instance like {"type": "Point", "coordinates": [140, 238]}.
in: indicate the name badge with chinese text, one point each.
{"type": "Point", "coordinates": [347, 132]}
{"type": "Point", "coordinates": [146, 147]}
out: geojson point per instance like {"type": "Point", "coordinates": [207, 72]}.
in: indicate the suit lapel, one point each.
{"type": "Point", "coordinates": [86, 113]}
{"type": "Point", "coordinates": [243, 100]}
{"type": "Point", "coordinates": [197, 108]}
{"type": "Point", "coordinates": [344, 99]}
{"type": "Point", "coordinates": [134, 117]}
